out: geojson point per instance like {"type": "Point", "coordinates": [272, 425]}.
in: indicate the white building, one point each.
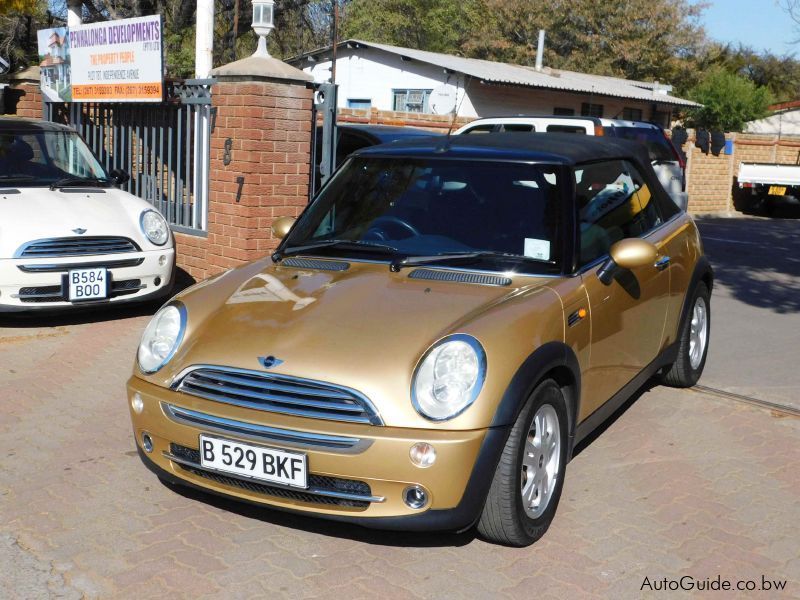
{"type": "Point", "coordinates": [391, 78]}
{"type": "Point", "coordinates": [785, 121]}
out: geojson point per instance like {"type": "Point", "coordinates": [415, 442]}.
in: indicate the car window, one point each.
{"type": "Point", "coordinates": [658, 147]}
{"type": "Point", "coordinates": [517, 127]}
{"type": "Point", "coordinates": [614, 202]}
{"type": "Point", "coordinates": [35, 158]}
{"type": "Point", "coordinates": [481, 129]}
{"type": "Point", "coordinates": [433, 206]}
{"type": "Point", "coordinates": [566, 129]}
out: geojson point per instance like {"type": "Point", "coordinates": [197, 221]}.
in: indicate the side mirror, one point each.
{"type": "Point", "coordinates": [629, 253]}
{"type": "Point", "coordinates": [119, 176]}
{"type": "Point", "coordinates": [281, 226]}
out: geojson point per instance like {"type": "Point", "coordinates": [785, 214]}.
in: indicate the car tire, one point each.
{"type": "Point", "coordinates": [507, 517]}
{"type": "Point", "coordinates": [691, 360]}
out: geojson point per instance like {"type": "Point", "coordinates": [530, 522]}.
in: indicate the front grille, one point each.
{"type": "Point", "coordinates": [66, 267]}
{"type": "Point", "coordinates": [317, 484]}
{"type": "Point", "coordinates": [76, 246]}
{"type": "Point", "coordinates": [56, 293]}
{"type": "Point", "coordinates": [278, 393]}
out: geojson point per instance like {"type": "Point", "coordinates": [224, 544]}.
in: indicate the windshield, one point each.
{"type": "Point", "coordinates": [39, 158]}
{"type": "Point", "coordinates": [402, 207]}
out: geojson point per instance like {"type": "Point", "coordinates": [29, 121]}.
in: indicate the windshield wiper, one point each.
{"type": "Point", "coordinates": [467, 257]}
{"type": "Point", "coordinates": [344, 244]}
{"type": "Point", "coordinates": [411, 261]}
{"type": "Point", "coordinates": [79, 181]}
{"type": "Point", "coordinates": [17, 177]}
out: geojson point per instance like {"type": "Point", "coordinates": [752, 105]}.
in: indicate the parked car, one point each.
{"type": "Point", "coordinates": [352, 136]}
{"type": "Point", "coordinates": [432, 337]}
{"type": "Point", "coordinates": [68, 237]}
{"type": "Point", "coordinates": [668, 163]}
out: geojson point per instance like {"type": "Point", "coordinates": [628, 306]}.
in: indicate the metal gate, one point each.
{"type": "Point", "coordinates": [163, 147]}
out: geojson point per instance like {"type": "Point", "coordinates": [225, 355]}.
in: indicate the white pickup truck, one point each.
{"type": "Point", "coordinates": [768, 184]}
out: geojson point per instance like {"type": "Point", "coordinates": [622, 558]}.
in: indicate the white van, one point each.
{"type": "Point", "coordinates": [668, 163]}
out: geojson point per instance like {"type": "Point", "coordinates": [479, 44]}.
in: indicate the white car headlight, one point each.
{"type": "Point", "coordinates": [161, 337]}
{"type": "Point", "coordinates": [449, 377]}
{"type": "Point", "coordinates": [154, 226]}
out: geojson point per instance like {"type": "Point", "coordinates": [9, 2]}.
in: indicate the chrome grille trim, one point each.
{"type": "Point", "coordinates": [263, 433]}
{"type": "Point", "coordinates": [76, 246]}
{"type": "Point", "coordinates": [311, 490]}
{"type": "Point", "coordinates": [313, 263]}
{"type": "Point", "coordinates": [65, 267]}
{"type": "Point", "coordinates": [277, 393]}
{"type": "Point", "coordinates": [461, 277]}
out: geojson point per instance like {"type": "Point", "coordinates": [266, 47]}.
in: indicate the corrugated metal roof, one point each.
{"type": "Point", "coordinates": [505, 73]}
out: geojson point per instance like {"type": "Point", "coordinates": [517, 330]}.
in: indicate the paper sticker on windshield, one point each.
{"type": "Point", "coordinates": [538, 249]}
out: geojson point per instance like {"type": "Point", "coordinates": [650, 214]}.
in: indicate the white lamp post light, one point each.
{"type": "Point", "coordinates": [263, 23]}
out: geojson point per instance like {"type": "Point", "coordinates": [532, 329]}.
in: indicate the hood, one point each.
{"type": "Point", "coordinates": [364, 328]}
{"type": "Point", "coordinates": [100, 211]}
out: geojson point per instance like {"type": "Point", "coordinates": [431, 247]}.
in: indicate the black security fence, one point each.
{"type": "Point", "coordinates": [164, 147]}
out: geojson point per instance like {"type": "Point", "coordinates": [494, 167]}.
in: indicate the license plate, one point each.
{"type": "Point", "coordinates": [87, 284]}
{"type": "Point", "coordinates": [777, 190]}
{"type": "Point", "coordinates": [255, 462]}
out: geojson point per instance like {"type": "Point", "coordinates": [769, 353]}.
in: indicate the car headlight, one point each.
{"type": "Point", "coordinates": [449, 377]}
{"type": "Point", "coordinates": [154, 226]}
{"type": "Point", "coordinates": [161, 337]}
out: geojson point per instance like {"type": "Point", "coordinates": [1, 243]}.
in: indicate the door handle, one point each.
{"type": "Point", "coordinates": [662, 263]}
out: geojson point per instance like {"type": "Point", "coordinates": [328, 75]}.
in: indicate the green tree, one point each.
{"type": "Point", "coordinates": [729, 101]}
{"type": "Point", "coordinates": [434, 25]}
{"type": "Point", "coordinates": [635, 39]}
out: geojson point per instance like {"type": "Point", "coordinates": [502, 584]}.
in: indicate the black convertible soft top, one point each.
{"type": "Point", "coordinates": [561, 148]}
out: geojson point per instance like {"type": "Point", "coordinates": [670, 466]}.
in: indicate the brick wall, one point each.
{"type": "Point", "coordinates": [711, 180]}
{"type": "Point", "coordinates": [24, 99]}
{"type": "Point", "coordinates": [373, 116]}
{"type": "Point", "coordinates": [269, 125]}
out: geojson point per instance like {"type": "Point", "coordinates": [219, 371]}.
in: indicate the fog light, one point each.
{"type": "Point", "coordinates": [415, 497]}
{"type": "Point", "coordinates": [157, 281]}
{"type": "Point", "coordinates": [147, 442]}
{"type": "Point", "coordinates": [162, 260]}
{"type": "Point", "coordinates": [137, 404]}
{"type": "Point", "coordinates": [422, 454]}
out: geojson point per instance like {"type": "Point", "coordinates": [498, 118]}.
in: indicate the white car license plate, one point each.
{"type": "Point", "coordinates": [255, 462]}
{"type": "Point", "coordinates": [87, 284]}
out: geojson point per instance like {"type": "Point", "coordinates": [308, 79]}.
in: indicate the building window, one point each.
{"type": "Point", "coordinates": [591, 110]}
{"type": "Point", "coordinates": [631, 114]}
{"type": "Point", "coordinates": [411, 100]}
{"type": "Point", "coordinates": [563, 112]}
{"type": "Point", "coordinates": [359, 103]}
{"type": "Point", "coordinates": [661, 118]}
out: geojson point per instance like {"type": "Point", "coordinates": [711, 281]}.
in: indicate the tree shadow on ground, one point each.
{"type": "Point", "coordinates": [96, 313]}
{"type": "Point", "coordinates": [757, 259]}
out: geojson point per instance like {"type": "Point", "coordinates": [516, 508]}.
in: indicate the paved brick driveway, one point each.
{"type": "Point", "coordinates": [682, 483]}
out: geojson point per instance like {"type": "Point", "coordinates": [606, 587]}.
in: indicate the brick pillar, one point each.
{"type": "Point", "coordinates": [23, 97]}
{"type": "Point", "coordinates": [260, 163]}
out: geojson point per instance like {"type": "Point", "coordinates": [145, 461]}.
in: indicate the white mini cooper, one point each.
{"type": "Point", "coordinates": [68, 237]}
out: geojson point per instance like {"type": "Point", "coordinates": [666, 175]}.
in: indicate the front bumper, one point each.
{"type": "Point", "coordinates": [36, 284]}
{"type": "Point", "coordinates": [371, 474]}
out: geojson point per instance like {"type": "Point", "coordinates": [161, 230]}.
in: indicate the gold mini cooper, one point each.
{"type": "Point", "coordinates": [432, 337]}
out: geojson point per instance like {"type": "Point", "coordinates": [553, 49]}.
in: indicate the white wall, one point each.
{"type": "Point", "coordinates": [785, 123]}
{"type": "Point", "coordinates": [368, 73]}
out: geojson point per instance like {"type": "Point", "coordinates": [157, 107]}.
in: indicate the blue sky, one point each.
{"type": "Point", "coordinates": [762, 24]}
